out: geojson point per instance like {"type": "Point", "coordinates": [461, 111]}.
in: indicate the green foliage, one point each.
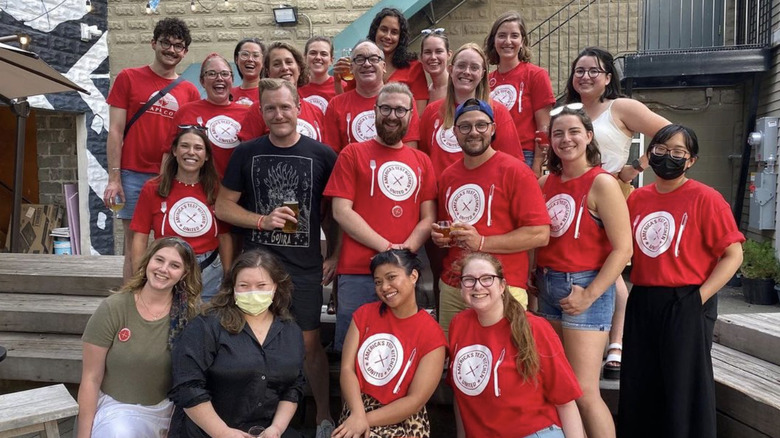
{"type": "Point", "coordinates": [759, 260]}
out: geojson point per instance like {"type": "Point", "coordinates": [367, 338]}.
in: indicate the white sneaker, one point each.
{"type": "Point", "coordinates": [325, 429]}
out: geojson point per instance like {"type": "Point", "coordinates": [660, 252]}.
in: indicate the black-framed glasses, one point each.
{"type": "Point", "coordinates": [399, 111]}
{"type": "Point", "coordinates": [481, 127]}
{"type": "Point", "coordinates": [195, 127]}
{"type": "Point", "coordinates": [437, 31]}
{"type": "Point", "coordinates": [591, 72]}
{"type": "Point", "coordinates": [660, 149]}
{"type": "Point", "coordinates": [486, 280]}
{"type": "Point", "coordinates": [212, 74]}
{"type": "Point", "coordinates": [373, 59]}
{"type": "Point", "coordinates": [245, 54]}
{"type": "Point", "coordinates": [576, 106]}
{"type": "Point", "coordinates": [165, 44]}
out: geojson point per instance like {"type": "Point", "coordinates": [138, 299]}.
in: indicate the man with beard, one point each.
{"type": "Point", "coordinates": [495, 205]}
{"type": "Point", "coordinates": [384, 197]}
{"type": "Point", "coordinates": [350, 116]}
{"type": "Point", "coordinates": [137, 139]}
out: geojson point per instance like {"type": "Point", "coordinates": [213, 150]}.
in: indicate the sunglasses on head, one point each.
{"type": "Point", "coordinates": [576, 106]}
{"type": "Point", "coordinates": [437, 31]}
{"type": "Point", "coordinates": [195, 127]}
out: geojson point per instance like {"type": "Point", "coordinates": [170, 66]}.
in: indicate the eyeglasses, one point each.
{"type": "Point", "coordinates": [469, 282]}
{"type": "Point", "coordinates": [661, 149]}
{"type": "Point", "coordinates": [576, 106]}
{"type": "Point", "coordinates": [373, 59]}
{"type": "Point", "coordinates": [463, 66]}
{"type": "Point", "coordinates": [212, 74]}
{"type": "Point", "coordinates": [592, 72]}
{"type": "Point", "coordinates": [437, 31]}
{"type": "Point", "coordinates": [165, 44]}
{"type": "Point", "coordinates": [195, 127]}
{"type": "Point", "coordinates": [399, 111]}
{"type": "Point", "coordinates": [481, 127]}
{"type": "Point", "coordinates": [244, 55]}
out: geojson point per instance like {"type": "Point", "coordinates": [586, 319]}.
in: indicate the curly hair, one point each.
{"type": "Point", "coordinates": [607, 63]}
{"type": "Point", "coordinates": [208, 177]}
{"type": "Point", "coordinates": [172, 27]}
{"type": "Point", "coordinates": [238, 49]}
{"type": "Point", "coordinates": [303, 69]}
{"type": "Point", "coordinates": [524, 55]}
{"type": "Point", "coordinates": [186, 293]}
{"type": "Point", "coordinates": [401, 56]}
{"type": "Point", "coordinates": [224, 303]}
{"type": "Point", "coordinates": [592, 154]}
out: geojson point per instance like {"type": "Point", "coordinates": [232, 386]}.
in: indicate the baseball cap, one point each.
{"type": "Point", "coordinates": [474, 105]}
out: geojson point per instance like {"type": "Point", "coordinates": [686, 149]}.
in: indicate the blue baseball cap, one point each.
{"type": "Point", "coordinates": [474, 105]}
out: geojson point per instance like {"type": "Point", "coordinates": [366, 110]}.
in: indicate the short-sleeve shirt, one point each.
{"type": "Point", "coordinates": [679, 236]}
{"type": "Point", "coordinates": [320, 95]}
{"type": "Point", "coordinates": [390, 349]}
{"type": "Point", "coordinates": [245, 96]}
{"type": "Point", "coordinates": [350, 118]}
{"type": "Point", "coordinates": [499, 196]}
{"type": "Point", "coordinates": [387, 186]}
{"type": "Point", "coordinates": [493, 399]}
{"type": "Point", "coordinates": [185, 213]}
{"type": "Point", "coordinates": [138, 362]}
{"type": "Point", "coordinates": [310, 122]}
{"type": "Point", "coordinates": [523, 90]}
{"type": "Point", "coordinates": [147, 139]}
{"type": "Point", "coordinates": [267, 176]}
{"type": "Point", "coordinates": [414, 78]}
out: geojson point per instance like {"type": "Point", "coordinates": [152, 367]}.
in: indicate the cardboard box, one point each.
{"type": "Point", "coordinates": [36, 223]}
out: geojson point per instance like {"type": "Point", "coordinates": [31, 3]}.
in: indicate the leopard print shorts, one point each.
{"type": "Point", "coordinates": [416, 426]}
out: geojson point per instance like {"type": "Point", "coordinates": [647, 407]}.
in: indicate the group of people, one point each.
{"type": "Point", "coordinates": [524, 211]}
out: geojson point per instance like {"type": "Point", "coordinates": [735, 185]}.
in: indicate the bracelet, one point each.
{"type": "Point", "coordinates": [115, 169]}
{"type": "Point", "coordinates": [260, 222]}
{"type": "Point", "coordinates": [481, 243]}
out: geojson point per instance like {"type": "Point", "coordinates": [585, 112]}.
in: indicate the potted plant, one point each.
{"type": "Point", "coordinates": [759, 269]}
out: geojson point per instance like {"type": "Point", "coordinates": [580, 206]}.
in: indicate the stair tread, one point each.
{"type": "Point", "coordinates": [45, 303]}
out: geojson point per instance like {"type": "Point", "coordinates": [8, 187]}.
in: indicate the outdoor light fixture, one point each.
{"type": "Point", "coordinates": [89, 6]}
{"type": "Point", "coordinates": [23, 39]}
{"type": "Point", "coordinates": [148, 8]}
{"type": "Point", "coordinates": [286, 15]}
{"type": "Point", "coordinates": [192, 5]}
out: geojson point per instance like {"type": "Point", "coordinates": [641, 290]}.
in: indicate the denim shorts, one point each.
{"type": "Point", "coordinates": [211, 276]}
{"type": "Point", "coordinates": [132, 182]}
{"type": "Point", "coordinates": [552, 431]}
{"type": "Point", "coordinates": [354, 291]}
{"type": "Point", "coordinates": [555, 286]}
{"type": "Point", "coordinates": [528, 156]}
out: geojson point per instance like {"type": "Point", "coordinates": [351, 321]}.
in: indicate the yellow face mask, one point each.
{"type": "Point", "coordinates": [254, 302]}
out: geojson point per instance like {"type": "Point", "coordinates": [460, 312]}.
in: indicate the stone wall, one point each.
{"type": "Point", "coordinates": [57, 162]}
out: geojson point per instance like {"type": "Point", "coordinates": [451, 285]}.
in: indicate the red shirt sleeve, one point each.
{"type": "Point", "coordinates": [342, 180]}
{"type": "Point", "coordinates": [558, 379]}
{"type": "Point", "coordinates": [507, 140]}
{"type": "Point", "coordinates": [253, 125]}
{"type": "Point", "coordinates": [119, 96]}
{"type": "Point", "coordinates": [144, 210]}
{"type": "Point", "coordinates": [330, 132]}
{"type": "Point", "coordinates": [413, 134]}
{"type": "Point", "coordinates": [528, 202]}
{"type": "Point", "coordinates": [541, 89]}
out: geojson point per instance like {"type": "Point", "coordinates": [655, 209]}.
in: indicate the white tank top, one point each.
{"type": "Point", "coordinates": [614, 144]}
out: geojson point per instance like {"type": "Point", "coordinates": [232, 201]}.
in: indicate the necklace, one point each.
{"type": "Point", "coordinates": [186, 184]}
{"type": "Point", "coordinates": [156, 315]}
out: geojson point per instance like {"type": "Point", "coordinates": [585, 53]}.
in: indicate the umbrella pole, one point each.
{"type": "Point", "coordinates": [21, 108]}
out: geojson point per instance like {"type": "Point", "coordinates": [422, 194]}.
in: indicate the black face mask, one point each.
{"type": "Point", "coordinates": [667, 167]}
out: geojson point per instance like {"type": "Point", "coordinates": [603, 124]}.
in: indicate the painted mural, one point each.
{"type": "Point", "coordinates": [55, 28]}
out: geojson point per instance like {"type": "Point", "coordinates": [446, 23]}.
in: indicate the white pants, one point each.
{"type": "Point", "coordinates": [121, 420]}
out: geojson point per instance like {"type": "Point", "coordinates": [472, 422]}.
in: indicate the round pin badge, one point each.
{"type": "Point", "coordinates": [397, 211]}
{"type": "Point", "coordinates": [124, 335]}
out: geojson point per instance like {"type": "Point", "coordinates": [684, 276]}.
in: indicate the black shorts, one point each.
{"type": "Point", "coordinates": [306, 305]}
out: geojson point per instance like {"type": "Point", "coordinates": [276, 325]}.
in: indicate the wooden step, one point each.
{"type": "Point", "coordinates": [60, 274]}
{"type": "Point", "coordinates": [747, 390]}
{"type": "Point", "coordinates": [41, 357]}
{"type": "Point", "coordinates": [756, 334]}
{"type": "Point", "coordinates": [39, 313]}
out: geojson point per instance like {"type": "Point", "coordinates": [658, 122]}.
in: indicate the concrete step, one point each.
{"type": "Point", "coordinates": [41, 357]}
{"type": "Point", "coordinates": [39, 313]}
{"type": "Point", "coordinates": [756, 334]}
{"type": "Point", "coordinates": [60, 274]}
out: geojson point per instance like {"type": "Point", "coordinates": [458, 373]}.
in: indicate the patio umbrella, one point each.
{"type": "Point", "coordinates": [25, 74]}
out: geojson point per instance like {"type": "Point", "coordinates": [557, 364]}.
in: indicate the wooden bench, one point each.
{"type": "Point", "coordinates": [36, 410]}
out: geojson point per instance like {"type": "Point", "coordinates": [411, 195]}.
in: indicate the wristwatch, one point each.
{"type": "Point", "coordinates": [636, 164]}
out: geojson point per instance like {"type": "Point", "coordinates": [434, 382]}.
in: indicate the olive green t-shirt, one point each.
{"type": "Point", "coordinates": [138, 363]}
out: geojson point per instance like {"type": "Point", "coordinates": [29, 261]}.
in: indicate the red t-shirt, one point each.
{"type": "Point", "coordinates": [414, 77]}
{"type": "Point", "coordinates": [679, 236]}
{"type": "Point", "coordinates": [578, 241]}
{"type": "Point", "coordinates": [319, 94]}
{"type": "Point", "coordinates": [499, 196]}
{"type": "Point", "coordinates": [387, 187]}
{"type": "Point", "coordinates": [390, 349]}
{"type": "Point", "coordinates": [222, 122]}
{"type": "Point", "coordinates": [310, 122]}
{"type": "Point", "coordinates": [493, 399]}
{"type": "Point", "coordinates": [185, 213]}
{"type": "Point", "coordinates": [442, 145]}
{"type": "Point", "coordinates": [246, 96]}
{"type": "Point", "coordinates": [146, 141]}
{"type": "Point", "coordinates": [523, 90]}
{"type": "Point", "coordinates": [350, 118]}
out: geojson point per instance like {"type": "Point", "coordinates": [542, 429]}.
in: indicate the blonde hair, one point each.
{"type": "Point", "coordinates": [482, 92]}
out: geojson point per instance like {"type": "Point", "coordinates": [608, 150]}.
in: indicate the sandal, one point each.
{"type": "Point", "coordinates": [612, 365]}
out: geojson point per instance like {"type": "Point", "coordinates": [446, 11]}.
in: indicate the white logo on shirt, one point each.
{"type": "Point", "coordinates": [189, 217]}
{"type": "Point", "coordinates": [561, 209]}
{"type": "Point", "coordinates": [318, 101]}
{"type": "Point", "coordinates": [506, 94]}
{"type": "Point", "coordinates": [380, 357]}
{"type": "Point", "coordinates": [223, 131]}
{"type": "Point", "coordinates": [446, 140]}
{"type": "Point", "coordinates": [467, 204]}
{"type": "Point", "coordinates": [307, 129]}
{"type": "Point", "coordinates": [655, 233]}
{"type": "Point", "coordinates": [397, 180]}
{"type": "Point", "coordinates": [165, 106]}
{"type": "Point", "coordinates": [243, 100]}
{"type": "Point", "coordinates": [364, 126]}
{"type": "Point", "coordinates": [471, 369]}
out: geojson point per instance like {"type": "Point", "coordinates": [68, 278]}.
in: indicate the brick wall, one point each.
{"type": "Point", "coordinates": [57, 163]}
